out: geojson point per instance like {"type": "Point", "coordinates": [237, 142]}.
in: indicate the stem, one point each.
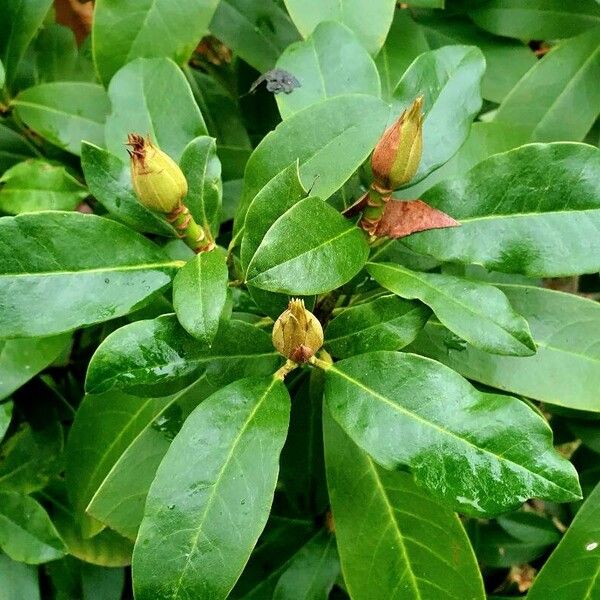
{"type": "Point", "coordinates": [325, 363]}
{"type": "Point", "coordinates": [289, 366]}
{"type": "Point", "coordinates": [189, 231]}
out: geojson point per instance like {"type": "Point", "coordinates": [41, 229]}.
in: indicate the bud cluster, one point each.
{"type": "Point", "coordinates": [297, 333]}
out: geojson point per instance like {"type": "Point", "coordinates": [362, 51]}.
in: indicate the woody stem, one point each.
{"type": "Point", "coordinates": [197, 238]}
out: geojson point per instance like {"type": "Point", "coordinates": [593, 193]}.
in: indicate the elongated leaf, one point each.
{"type": "Point", "coordinates": [566, 368]}
{"type": "Point", "coordinates": [404, 409]}
{"type": "Point", "coordinates": [104, 426]}
{"type": "Point", "coordinates": [449, 79]}
{"type": "Point", "coordinates": [202, 169]}
{"type": "Point", "coordinates": [537, 19]}
{"type": "Point", "coordinates": [387, 323]}
{"type": "Point", "coordinates": [330, 140]}
{"type": "Point", "coordinates": [310, 249]}
{"type": "Point", "coordinates": [36, 185]}
{"type": "Point", "coordinates": [18, 579]}
{"type": "Point", "coordinates": [124, 31]}
{"type": "Point", "coordinates": [405, 535]}
{"type": "Point", "coordinates": [65, 113]}
{"type": "Point", "coordinates": [371, 31]}
{"type": "Point", "coordinates": [573, 567]}
{"type": "Point", "coordinates": [20, 22]}
{"type": "Point", "coordinates": [158, 357]}
{"type": "Point", "coordinates": [534, 210]}
{"type": "Point", "coordinates": [151, 96]}
{"type": "Point", "coordinates": [14, 148]}
{"type": "Point", "coordinates": [26, 531]}
{"type": "Point", "coordinates": [59, 271]}
{"type": "Point", "coordinates": [212, 509]}
{"type": "Point", "coordinates": [477, 312]}
{"type": "Point", "coordinates": [575, 67]}
{"type": "Point", "coordinates": [6, 409]}
{"type": "Point", "coordinates": [56, 55]}
{"type": "Point", "coordinates": [330, 62]}
{"type": "Point", "coordinates": [109, 180]}
{"type": "Point", "coordinates": [22, 359]}
{"type": "Point", "coordinates": [257, 32]}
{"type": "Point", "coordinates": [199, 294]}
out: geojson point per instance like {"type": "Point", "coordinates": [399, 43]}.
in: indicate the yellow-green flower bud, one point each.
{"type": "Point", "coordinates": [157, 179]}
{"type": "Point", "coordinates": [297, 333]}
{"type": "Point", "coordinates": [397, 155]}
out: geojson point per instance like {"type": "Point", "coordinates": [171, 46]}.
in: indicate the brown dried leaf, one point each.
{"type": "Point", "coordinates": [401, 218]}
{"type": "Point", "coordinates": [75, 15]}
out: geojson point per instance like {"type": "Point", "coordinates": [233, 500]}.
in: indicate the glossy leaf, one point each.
{"type": "Point", "coordinates": [151, 96]}
{"type": "Point", "coordinates": [65, 113]}
{"type": "Point", "coordinates": [449, 79]}
{"type": "Point", "coordinates": [6, 409]}
{"type": "Point", "coordinates": [575, 68]}
{"type": "Point", "coordinates": [330, 140]}
{"type": "Point", "coordinates": [371, 31]}
{"type": "Point", "coordinates": [574, 566]}
{"type": "Point", "coordinates": [257, 32]}
{"type": "Point", "coordinates": [151, 28]}
{"type": "Point", "coordinates": [404, 409]}
{"type": "Point", "coordinates": [26, 531]}
{"type": "Point", "coordinates": [412, 547]}
{"type": "Point", "coordinates": [109, 180]}
{"type": "Point", "coordinates": [537, 19]}
{"type": "Point", "coordinates": [22, 359]}
{"type": "Point", "coordinates": [387, 323]}
{"type": "Point", "coordinates": [310, 249]}
{"type": "Point", "coordinates": [56, 55]}
{"type": "Point", "coordinates": [564, 371]}
{"type": "Point", "coordinates": [14, 148]}
{"type": "Point", "coordinates": [202, 169]}
{"type": "Point", "coordinates": [534, 210]}
{"type": "Point", "coordinates": [330, 62]}
{"type": "Point", "coordinates": [18, 579]}
{"type": "Point", "coordinates": [214, 508]}
{"type": "Point", "coordinates": [111, 273]}
{"type": "Point", "coordinates": [158, 357]}
{"type": "Point", "coordinates": [19, 25]}
{"type": "Point", "coordinates": [199, 294]}
{"type": "Point", "coordinates": [36, 185]}
{"type": "Point", "coordinates": [477, 312]}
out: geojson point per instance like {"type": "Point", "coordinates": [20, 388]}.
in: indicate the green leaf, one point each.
{"type": "Point", "coordinates": [22, 359]}
{"type": "Point", "coordinates": [330, 62]}
{"type": "Point", "coordinates": [20, 23]}
{"type": "Point", "coordinates": [202, 169]}
{"type": "Point", "coordinates": [276, 197]}
{"type": "Point", "coordinates": [506, 60]}
{"type": "Point", "coordinates": [312, 572]}
{"type": "Point", "coordinates": [212, 509]}
{"type": "Point", "coordinates": [109, 180]}
{"type": "Point", "coordinates": [405, 535]}
{"type": "Point", "coordinates": [151, 96]}
{"type": "Point", "coordinates": [199, 294]}
{"type": "Point", "coordinates": [449, 79]}
{"type": "Point", "coordinates": [537, 19]}
{"type": "Point", "coordinates": [6, 409]}
{"type": "Point", "coordinates": [14, 148]}
{"type": "Point", "coordinates": [387, 323]}
{"type": "Point", "coordinates": [530, 527]}
{"type": "Point", "coordinates": [60, 271]}
{"type": "Point", "coordinates": [123, 31]}
{"type": "Point", "coordinates": [371, 29]}
{"type": "Point", "coordinates": [26, 531]}
{"type": "Point", "coordinates": [18, 580]}
{"type": "Point", "coordinates": [65, 113]}
{"type": "Point", "coordinates": [105, 425]}
{"type": "Point", "coordinates": [564, 371]}
{"type": "Point", "coordinates": [310, 249]}
{"type": "Point", "coordinates": [36, 185]}
{"type": "Point", "coordinates": [482, 453]}
{"type": "Point", "coordinates": [56, 55]}
{"type": "Point", "coordinates": [257, 32]}
{"type": "Point", "coordinates": [119, 500]}
{"type": "Point", "coordinates": [158, 357]}
{"type": "Point", "coordinates": [2, 75]}
{"type": "Point", "coordinates": [477, 312]}
{"type": "Point", "coordinates": [404, 42]}
{"type": "Point", "coordinates": [534, 210]}
{"type": "Point", "coordinates": [574, 566]}
{"type": "Point", "coordinates": [568, 74]}
{"type": "Point", "coordinates": [330, 140]}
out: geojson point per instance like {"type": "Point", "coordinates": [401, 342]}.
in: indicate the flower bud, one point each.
{"type": "Point", "coordinates": [297, 333]}
{"type": "Point", "coordinates": [398, 153]}
{"type": "Point", "coordinates": [157, 180]}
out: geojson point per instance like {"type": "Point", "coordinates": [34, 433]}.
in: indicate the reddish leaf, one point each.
{"type": "Point", "coordinates": [76, 15]}
{"type": "Point", "coordinates": [401, 218]}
